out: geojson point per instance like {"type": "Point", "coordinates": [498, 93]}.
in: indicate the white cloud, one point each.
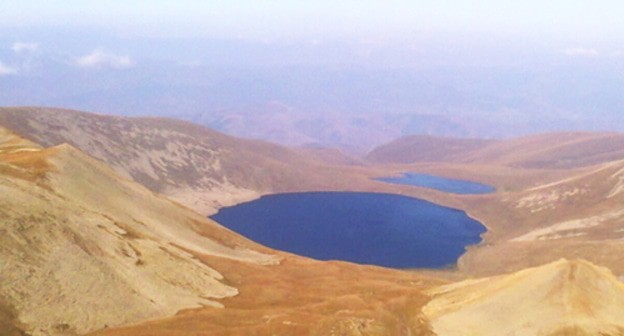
{"type": "Point", "coordinates": [20, 47]}
{"type": "Point", "coordinates": [582, 52]}
{"type": "Point", "coordinates": [101, 59]}
{"type": "Point", "coordinates": [6, 70]}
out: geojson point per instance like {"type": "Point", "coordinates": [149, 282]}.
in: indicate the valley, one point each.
{"type": "Point", "coordinates": [311, 168]}
{"type": "Point", "coordinates": [98, 207]}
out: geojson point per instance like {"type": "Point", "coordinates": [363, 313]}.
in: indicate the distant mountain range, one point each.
{"type": "Point", "coordinates": [328, 95]}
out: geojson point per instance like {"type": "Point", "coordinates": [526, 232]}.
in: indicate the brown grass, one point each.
{"type": "Point", "coordinates": [329, 298]}
{"type": "Point", "coordinates": [304, 297]}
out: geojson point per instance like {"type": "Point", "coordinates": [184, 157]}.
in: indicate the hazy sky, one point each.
{"type": "Point", "coordinates": [324, 19]}
{"type": "Point", "coordinates": [491, 67]}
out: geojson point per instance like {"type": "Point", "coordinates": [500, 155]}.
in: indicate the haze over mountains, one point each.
{"type": "Point", "coordinates": [354, 95]}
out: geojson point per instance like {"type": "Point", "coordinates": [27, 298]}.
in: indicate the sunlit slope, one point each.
{"type": "Point", "coordinates": [560, 298]}
{"type": "Point", "coordinates": [578, 215]}
{"type": "Point", "coordinates": [585, 204]}
{"type": "Point", "coordinates": [193, 165]}
{"type": "Point", "coordinates": [82, 248]}
{"type": "Point", "coordinates": [553, 150]}
{"type": "Point", "coordinates": [546, 151]}
{"type": "Point", "coordinates": [590, 196]}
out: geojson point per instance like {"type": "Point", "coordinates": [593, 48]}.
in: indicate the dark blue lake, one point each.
{"type": "Point", "coordinates": [440, 183]}
{"type": "Point", "coordinates": [366, 228]}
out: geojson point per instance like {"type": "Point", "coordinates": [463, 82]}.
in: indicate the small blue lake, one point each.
{"type": "Point", "coordinates": [440, 183]}
{"type": "Point", "coordinates": [366, 228]}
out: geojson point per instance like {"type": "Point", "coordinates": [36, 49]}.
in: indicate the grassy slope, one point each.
{"type": "Point", "coordinates": [195, 166]}
{"type": "Point", "coordinates": [546, 151]}
{"type": "Point", "coordinates": [538, 169]}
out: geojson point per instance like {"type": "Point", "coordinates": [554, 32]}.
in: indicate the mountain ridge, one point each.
{"type": "Point", "coordinates": [195, 166]}
{"type": "Point", "coordinates": [559, 150]}
{"type": "Point", "coordinates": [68, 237]}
